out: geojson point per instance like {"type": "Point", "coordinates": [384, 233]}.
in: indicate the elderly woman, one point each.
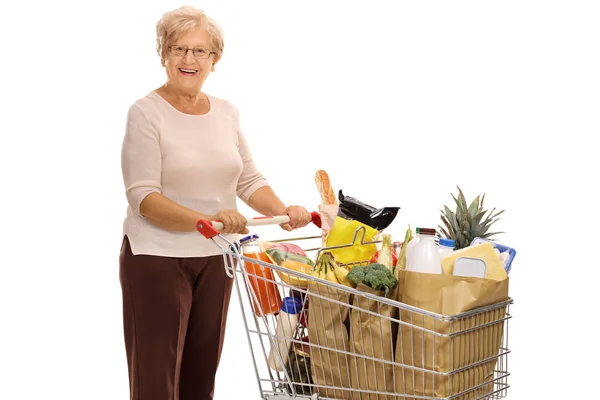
{"type": "Point", "coordinates": [184, 158]}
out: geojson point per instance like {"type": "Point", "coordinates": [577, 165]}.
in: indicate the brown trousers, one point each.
{"type": "Point", "coordinates": [174, 315]}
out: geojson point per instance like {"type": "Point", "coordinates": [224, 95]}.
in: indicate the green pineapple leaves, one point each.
{"type": "Point", "coordinates": [465, 224]}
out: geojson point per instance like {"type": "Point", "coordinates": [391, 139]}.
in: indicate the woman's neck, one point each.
{"type": "Point", "coordinates": [184, 98]}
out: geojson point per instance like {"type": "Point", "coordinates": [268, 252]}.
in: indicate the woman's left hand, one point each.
{"type": "Point", "coordinates": [299, 217]}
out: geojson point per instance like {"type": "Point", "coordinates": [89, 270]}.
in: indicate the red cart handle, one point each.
{"type": "Point", "coordinates": [210, 229]}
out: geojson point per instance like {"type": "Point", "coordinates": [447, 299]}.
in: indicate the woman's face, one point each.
{"type": "Point", "coordinates": [189, 60]}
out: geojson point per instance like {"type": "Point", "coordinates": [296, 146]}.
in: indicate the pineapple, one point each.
{"type": "Point", "coordinates": [466, 223]}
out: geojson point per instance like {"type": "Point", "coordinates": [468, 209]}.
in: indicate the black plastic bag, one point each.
{"type": "Point", "coordinates": [353, 209]}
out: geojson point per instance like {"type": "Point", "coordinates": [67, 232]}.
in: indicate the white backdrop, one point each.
{"type": "Point", "coordinates": [400, 102]}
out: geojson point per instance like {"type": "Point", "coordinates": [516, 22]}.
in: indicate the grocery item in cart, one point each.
{"type": "Point", "coordinates": [505, 253]}
{"type": "Point", "coordinates": [371, 337]}
{"type": "Point", "coordinates": [484, 251]}
{"type": "Point", "coordinates": [379, 219]}
{"type": "Point", "coordinates": [423, 256]}
{"type": "Point", "coordinates": [303, 317]}
{"type": "Point", "coordinates": [324, 186]}
{"type": "Point", "coordinates": [329, 270]}
{"type": "Point", "coordinates": [279, 256]}
{"type": "Point", "coordinates": [372, 331]}
{"type": "Point", "coordinates": [466, 266]}
{"type": "Point", "coordinates": [408, 239]}
{"type": "Point", "coordinates": [327, 316]}
{"type": "Point", "coordinates": [411, 245]}
{"type": "Point", "coordinates": [299, 369]}
{"type": "Point", "coordinates": [328, 210]}
{"type": "Point", "coordinates": [287, 322]}
{"type": "Point", "coordinates": [388, 253]}
{"type": "Point", "coordinates": [446, 247]}
{"type": "Point", "coordinates": [343, 234]}
{"type": "Point", "coordinates": [328, 214]}
{"type": "Point", "coordinates": [291, 248]}
{"type": "Point", "coordinates": [376, 276]}
{"type": "Point", "coordinates": [262, 279]}
{"type": "Point", "coordinates": [435, 347]}
{"type": "Point", "coordinates": [291, 279]}
{"type": "Point", "coordinates": [468, 221]}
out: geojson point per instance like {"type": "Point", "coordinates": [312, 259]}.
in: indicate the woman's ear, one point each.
{"type": "Point", "coordinates": [215, 61]}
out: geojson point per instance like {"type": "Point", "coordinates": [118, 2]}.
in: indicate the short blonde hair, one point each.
{"type": "Point", "coordinates": [176, 23]}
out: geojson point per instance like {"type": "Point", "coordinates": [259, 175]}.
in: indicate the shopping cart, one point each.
{"type": "Point", "coordinates": [350, 344]}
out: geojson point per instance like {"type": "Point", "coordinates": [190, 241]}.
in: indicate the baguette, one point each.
{"type": "Point", "coordinates": [324, 186]}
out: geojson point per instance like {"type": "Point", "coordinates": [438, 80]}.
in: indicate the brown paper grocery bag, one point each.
{"type": "Point", "coordinates": [448, 295]}
{"type": "Point", "coordinates": [327, 328]}
{"type": "Point", "coordinates": [372, 335]}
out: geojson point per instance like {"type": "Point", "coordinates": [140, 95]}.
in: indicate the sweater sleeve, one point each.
{"type": "Point", "coordinates": [251, 178]}
{"type": "Point", "coordinates": [140, 158]}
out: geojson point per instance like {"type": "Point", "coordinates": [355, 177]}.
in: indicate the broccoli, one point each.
{"type": "Point", "coordinates": [376, 276]}
{"type": "Point", "coordinates": [356, 275]}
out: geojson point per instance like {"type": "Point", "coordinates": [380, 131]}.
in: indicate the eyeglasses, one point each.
{"type": "Point", "coordinates": [181, 51]}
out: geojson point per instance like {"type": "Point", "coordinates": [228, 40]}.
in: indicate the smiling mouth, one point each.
{"type": "Point", "coordinates": [188, 72]}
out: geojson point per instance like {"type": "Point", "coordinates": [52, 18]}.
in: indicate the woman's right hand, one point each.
{"type": "Point", "coordinates": [233, 221]}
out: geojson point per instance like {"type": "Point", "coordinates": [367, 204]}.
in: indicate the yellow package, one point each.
{"type": "Point", "coordinates": [485, 252]}
{"type": "Point", "coordinates": [342, 233]}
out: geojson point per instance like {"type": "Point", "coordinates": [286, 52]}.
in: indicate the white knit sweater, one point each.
{"type": "Point", "coordinates": [199, 161]}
